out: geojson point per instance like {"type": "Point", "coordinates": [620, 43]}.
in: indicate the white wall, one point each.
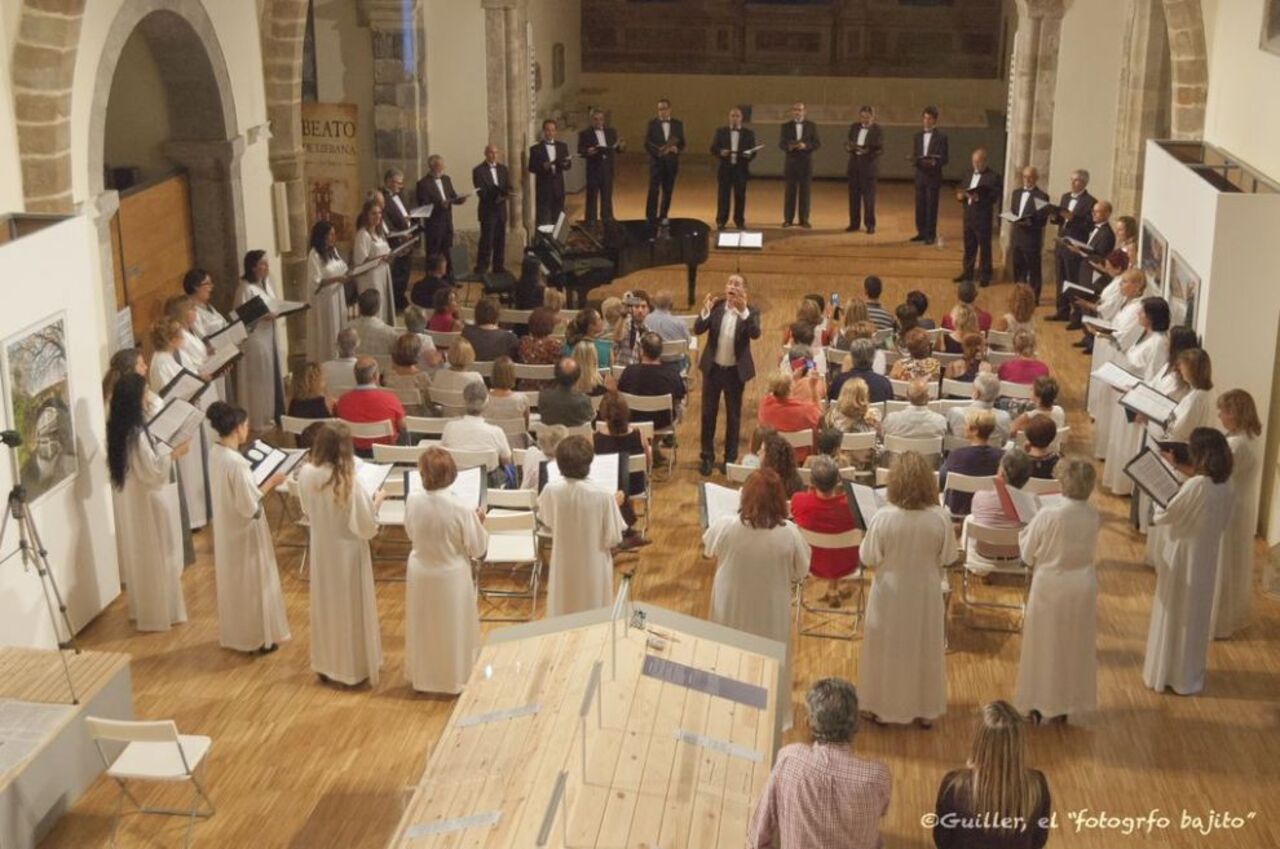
{"type": "Point", "coordinates": [75, 521]}
{"type": "Point", "coordinates": [344, 73]}
{"type": "Point", "coordinates": [557, 21]}
{"type": "Point", "coordinates": [1242, 114]}
{"type": "Point", "coordinates": [137, 113]}
{"type": "Point", "coordinates": [457, 94]}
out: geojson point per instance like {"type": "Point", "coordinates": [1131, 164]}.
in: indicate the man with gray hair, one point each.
{"type": "Point", "coordinates": [369, 403]}
{"type": "Point", "coordinates": [415, 322]}
{"type": "Point", "coordinates": [1074, 217]}
{"type": "Point", "coordinates": [852, 793]}
{"type": "Point", "coordinates": [668, 327]}
{"type": "Point", "coordinates": [986, 389]}
{"type": "Point", "coordinates": [824, 509]}
{"type": "Point", "coordinates": [987, 510]}
{"type": "Point", "coordinates": [472, 432]}
{"type": "Point", "coordinates": [398, 221]}
{"type": "Point", "coordinates": [862, 358]}
{"type": "Point", "coordinates": [917, 421]}
{"type": "Point", "coordinates": [339, 373]}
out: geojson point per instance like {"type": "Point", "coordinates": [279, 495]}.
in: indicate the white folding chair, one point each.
{"type": "Point", "coordinates": [999, 339]}
{"type": "Point", "coordinates": [946, 405]}
{"type": "Point", "coordinates": [900, 388]}
{"type": "Point", "coordinates": [865, 441]}
{"type": "Point", "coordinates": [153, 751]}
{"type": "Point", "coordinates": [512, 552]}
{"type": "Point", "coordinates": [651, 404]}
{"type": "Point", "coordinates": [997, 358]}
{"type": "Point", "coordinates": [444, 338]}
{"type": "Point", "coordinates": [531, 395]}
{"type": "Point", "coordinates": [449, 401]}
{"type": "Point", "coordinates": [534, 372]}
{"type": "Point", "coordinates": [371, 430]}
{"type": "Point", "coordinates": [970, 484]}
{"type": "Point", "coordinates": [1019, 391]}
{"type": "Point", "coordinates": [675, 350]}
{"type": "Point", "coordinates": [952, 388]}
{"type": "Point", "coordinates": [617, 371]}
{"type": "Point", "coordinates": [893, 406]}
{"type": "Point", "coordinates": [827, 615]}
{"type": "Point", "coordinates": [1042, 486]}
{"type": "Point", "coordinates": [295, 426]}
{"type": "Point", "coordinates": [882, 477]}
{"type": "Point", "coordinates": [689, 321]}
{"type": "Point", "coordinates": [951, 442]}
{"type": "Point", "coordinates": [639, 464]}
{"type": "Point", "coordinates": [467, 314]}
{"type": "Point", "coordinates": [835, 359]}
{"type": "Point", "coordinates": [945, 357]}
{"type": "Point", "coordinates": [971, 534]}
{"type": "Point", "coordinates": [927, 446]}
{"type": "Point", "coordinates": [798, 438]}
{"type": "Point", "coordinates": [409, 397]}
{"type": "Point", "coordinates": [510, 316]}
{"type": "Point", "coordinates": [1060, 439]}
{"type": "Point", "coordinates": [470, 459]}
{"type": "Point", "coordinates": [882, 336]}
{"type": "Point", "coordinates": [401, 455]}
{"type": "Point", "coordinates": [515, 429]}
{"type": "Point", "coordinates": [738, 473]}
{"type": "Point", "coordinates": [484, 368]}
{"type": "Point", "coordinates": [425, 425]}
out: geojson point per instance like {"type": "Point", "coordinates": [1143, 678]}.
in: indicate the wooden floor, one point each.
{"type": "Point", "coordinates": [298, 764]}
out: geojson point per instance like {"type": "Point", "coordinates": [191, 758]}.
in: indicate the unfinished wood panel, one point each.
{"type": "Point", "coordinates": [157, 247]}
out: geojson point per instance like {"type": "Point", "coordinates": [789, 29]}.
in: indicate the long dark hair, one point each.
{"type": "Point", "coordinates": [126, 418]}
{"type": "Point", "coordinates": [319, 236]}
{"type": "Point", "coordinates": [1181, 339]}
{"type": "Point", "coordinates": [251, 260]}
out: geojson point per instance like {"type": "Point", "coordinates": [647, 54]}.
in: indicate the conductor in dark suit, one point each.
{"type": "Point", "coordinates": [865, 142]}
{"type": "Point", "coordinates": [492, 183]}
{"type": "Point", "coordinates": [548, 160]}
{"type": "Point", "coordinates": [726, 365]}
{"type": "Point", "coordinates": [929, 155]}
{"type": "Point", "coordinates": [730, 146]}
{"type": "Point", "coordinates": [1074, 217]}
{"type": "Point", "coordinates": [798, 139]}
{"type": "Point", "coordinates": [1027, 231]}
{"type": "Point", "coordinates": [663, 141]}
{"type": "Point", "coordinates": [598, 145]}
{"type": "Point", "coordinates": [437, 189]}
{"type": "Point", "coordinates": [396, 216]}
{"type": "Point", "coordinates": [979, 194]}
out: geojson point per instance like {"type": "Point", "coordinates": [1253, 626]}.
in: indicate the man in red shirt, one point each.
{"type": "Point", "coordinates": [369, 402]}
{"type": "Point", "coordinates": [824, 509]}
{"type": "Point", "coordinates": [786, 414]}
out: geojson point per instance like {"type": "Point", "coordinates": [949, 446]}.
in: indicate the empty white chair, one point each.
{"type": "Point", "coordinates": [512, 552]}
{"type": "Point", "coordinates": [370, 430]}
{"type": "Point", "coordinates": [425, 425]}
{"type": "Point", "coordinates": [972, 533]}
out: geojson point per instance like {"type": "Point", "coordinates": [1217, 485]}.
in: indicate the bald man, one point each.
{"type": "Point", "coordinates": [1029, 206]}
{"type": "Point", "coordinates": [493, 186]}
{"type": "Point", "coordinates": [598, 145]}
{"type": "Point", "coordinates": [979, 195]}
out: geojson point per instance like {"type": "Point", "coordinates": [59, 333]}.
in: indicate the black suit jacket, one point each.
{"type": "Point", "coordinates": [492, 196]}
{"type": "Point", "coordinates": [808, 135]}
{"type": "Point", "coordinates": [1101, 240]}
{"type": "Point", "coordinates": [653, 137]}
{"type": "Point", "coordinates": [1028, 231]}
{"type": "Point", "coordinates": [1078, 223]}
{"type": "Point", "coordinates": [549, 185]}
{"type": "Point", "coordinates": [938, 147]}
{"type": "Point", "coordinates": [441, 220]}
{"type": "Point", "coordinates": [868, 162]}
{"type": "Point", "coordinates": [744, 332]}
{"type": "Point", "coordinates": [985, 196]}
{"type": "Point", "coordinates": [396, 220]}
{"type": "Point", "coordinates": [601, 158]}
{"type": "Point", "coordinates": [722, 141]}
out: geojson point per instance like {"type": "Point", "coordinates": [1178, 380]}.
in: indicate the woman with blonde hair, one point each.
{"type": "Point", "coordinates": [1022, 311]}
{"type": "Point", "coordinates": [1025, 367]}
{"type": "Point", "coordinates": [589, 326]}
{"type": "Point", "coordinates": [404, 373]}
{"type": "Point", "coordinates": [167, 336]}
{"type": "Point", "coordinates": [920, 365]}
{"type": "Point", "coordinates": [1239, 417]}
{"type": "Point", "coordinates": [590, 382]}
{"type": "Point", "coordinates": [973, 359]}
{"type": "Point", "coordinates": [909, 541]}
{"type": "Point", "coordinates": [852, 411]}
{"type": "Point", "coordinates": [964, 320]}
{"type": "Point", "coordinates": [855, 312]}
{"type": "Point", "coordinates": [996, 801]}
{"type": "Point", "coordinates": [307, 398]}
{"type": "Point", "coordinates": [458, 374]}
{"type": "Point", "coordinates": [505, 404]}
{"type": "Point", "coordinates": [345, 644]}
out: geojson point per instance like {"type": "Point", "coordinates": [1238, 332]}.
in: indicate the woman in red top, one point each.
{"type": "Point", "coordinates": [444, 318]}
{"type": "Point", "coordinates": [785, 414]}
{"type": "Point", "coordinates": [825, 510]}
{"type": "Point", "coordinates": [1023, 368]}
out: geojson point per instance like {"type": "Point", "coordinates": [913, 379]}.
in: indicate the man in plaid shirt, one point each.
{"type": "Point", "coordinates": [821, 795]}
{"type": "Point", "coordinates": [627, 333]}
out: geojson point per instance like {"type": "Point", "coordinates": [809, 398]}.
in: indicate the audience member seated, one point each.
{"type": "Point", "coordinates": [530, 286]}
{"type": "Point", "coordinates": [917, 421]}
{"type": "Point", "coordinates": [1040, 435]}
{"type": "Point", "coordinates": [445, 317]}
{"type": "Point", "coordinates": [472, 433]}
{"type": "Point", "coordinates": [415, 322]}
{"type": "Point", "coordinates": [755, 446]}
{"type": "Point", "coordinates": [855, 312]}
{"type": "Point", "coordinates": [589, 326]}
{"type": "Point", "coordinates": [810, 313]}
{"type": "Point", "coordinates": [777, 454]}
{"type": "Point", "coordinates": [920, 364]}
{"type": "Point", "coordinates": [307, 398]}
{"type": "Point", "coordinates": [786, 414]}
{"type": "Point", "coordinates": [490, 340]}
{"type": "Point", "coordinates": [553, 299]}
{"type": "Point", "coordinates": [505, 404]}
{"type": "Point", "coordinates": [852, 411]}
{"type": "Point", "coordinates": [988, 510]}
{"type": "Point", "coordinates": [860, 364]}
{"type": "Point", "coordinates": [1022, 311]}
{"type": "Point", "coordinates": [978, 459]}
{"type": "Point", "coordinates": [612, 311]}
{"type": "Point", "coordinates": [538, 347]}
{"type": "Point", "coordinates": [824, 509]}
{"type": "Point", "coordinates": [340, 372]}
{"type": "Point", "coordinates": [995, 787]}
{"type": "Point", "coordinates": [561, 403]}
{"type": "Point", "coordinates": [369, 402]}
{"type": "Point", "coordinates": [544, 449]}
{"type": "Point", "coordinates": [1024, 367]}
{"type": "Point", "coordinates": [627, 332]}
{"type": "Point", "coordinates": [825, 444]}
{"type": "Point", "coordinates": [668, 327]}
{"type": "Point", "coordinates": [967, 293]}
{"type": "Point", "coordinates": [651, 377]}
{"type": "Point", "coordinates": [973, 359]}
{"type": "Point", "coordinates": [621, 438]}
{"type": "Point", "coordinates": [590, 380]}
{"type": "Point", "coordinates": [854, 792]}
{"type": "Point", "coordinates": [424, 291]}
{"type": "Point", "coordinates": [1046, 391]}
{"type": "Point", "coordinates": [405, 374]}
{"type": "Point", "coordinates": [964, 321]}
{"type": "Point", "coordinates": [986, 389]}
{"type": "Point", "coordinates": [920, 301]}
{"type": "Point", "coordinates": [458, 375]}
{"type": "Point", "coordinates": [376, 336]}
{"type": "Point", "coordinates": [876, 314]}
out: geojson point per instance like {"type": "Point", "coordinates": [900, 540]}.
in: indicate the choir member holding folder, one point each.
{"type": "Point", "coordinates": [259, 387]}
{"type": "Point", "coordinates": [251, 615]}
{"type": "Point", "coordinates": [1028, 213]}
{"type": "Point", "coordinates": [371, 256]}
{"type": "Point", "coordinates": [548, 160]}
{"type": "Point", "coordinates": [1239, 417]}
{"type": "Point", "coordinates": [663, 141]}
{"type": "Point", "coordinates": [1144, 359]}
{"type": "Point", "coordinates": [733, 146]}
{"type": "Point", "coordinates": [1116, 323]}
{"type": "Point", "coordinates": [147, 511]}
{"type": "Point", "coordinates": [599, 145]}
{"type": "Point", "coordinates": [1072, 214]}
{"type": "Point", "coordinates": [326, 276]}
{"type": "Point", "coordinates": [1181, 612]}
{"type": "Point", "coordinates": [798, 139]}
{"type": "Point", "coordinates": [166, 366]}
{"type": "Point", "coordinates": [979, 194]}
{"type": "Point", "coordinates": [199, 288]}
{"type": "Point", "coordinates": [929, 154]}
{"type": "Point", "coordinates": [864, 145]}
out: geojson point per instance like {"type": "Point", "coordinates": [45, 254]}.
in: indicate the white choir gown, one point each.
{"type": "Point", "coordinates": [208, 322]}
{"type": "Point", "coordinates": [441, 621]}
{"type": "Point", "coordinates": [1145, 359]}
{"type": "Point", "coordinates": [345, 644]}
{"type": "Point", "coordinates": [368, 246]}
{"type": "Point", "coordinates": [902, 671]}
{"type": "Point", "coordinates": [149, 537]}
{"type": "Point", "coordinates": [250, 604]}
{"type": "Point", "coordinates": [1195, 409]}
{"type": "Point", "coordinates": [1178, 639]}
{"type": "Point", "coordinates": [1102, 398]}
{"type": "Point", "coordinates": [328, 313]}
{"type": "Point", "coordinates": [586, 526]}
{"type": "Point", "coordinates": [259, 386]}
{"type": "Point", "coordinates": [1235, 563]}
{"type": "Point", "coordinates": [755, 569]}
{"type": "Point", "coordinates": [193, 467]}
{"type": "Point", "coordinates": [1058, 670]}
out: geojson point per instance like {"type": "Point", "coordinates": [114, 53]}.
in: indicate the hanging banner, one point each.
{"type": "Point", "coordinates": [331, 166]}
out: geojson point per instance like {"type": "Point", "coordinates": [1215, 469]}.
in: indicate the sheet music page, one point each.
{"type": "Point", "coordinates": [284, 308]}
{"type": "Point", "coordinates": [1068, 285]}
{"type": "Point", "coordinates": [175, 423]}
{"type": "Point", "coordinates": [720, 501]}
{"type": "Point", "coordinates": [1112, 375]}
{"type": "Point", "coordinates": [1009, 216]}
{"type": "Point", "coordinates": [294, 457]}
{"type": "Point", "coordinates": [1041, 203]}
{"type": "Point", "coordinates": [264, 461]}
{"type": "Point", "coordinates": [728, 240]}
{"type": "Point", "coordinates": [1024, 504]}
{"type": "Point", "coordinates": [228, 337]}
{"type": "Point", "coordinates": [1153, 476]}
{"type": "Point", "coordinates": [221, 358]}
{"type": "Point", "coordinates": [470, 486]}
{"type": "Point", "coordinates": [755, 149]}
{"type": "Point", "coordinates": [371, 476]}
{"type": "Point", "coordinates": [867, 501]}
{"type": "Point", "coordinates": [400, 234]}
{"type": "Point", "coordinates": [603, 474]}
{"type": "Point", "coordinates": [1147, 401]}
{"type": "Point", "coordinates": [1099, 324]}
{"type": "Point", "coordinates": [423, 211]}
{"type": "Point", "coordinates": [185, 386]}
{"type": "Point", "coordinates": [366, 266]}
{"type": "Point", "coordinates": [752, 240]}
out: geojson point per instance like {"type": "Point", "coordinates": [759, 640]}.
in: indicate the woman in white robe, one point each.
{"type": "Point", "coordinates": [370, 244]}
{"type": "Point", "coordinates": [1122, 310]}
{"type": "Point", "coordinates": [145, 497]}
{"type": "Point", "coordinates": [586, 525]}
{"type": "Point", "coordinates": [1058, 669]}
{"type": "Point", "coordinates": [1239, 416]}
{"type": "Point", "coordinates": [326, 273]}
{"type": "Point", "coordinates": [759, 556]}
{"type": "Point", "coordinates": [167, 362]}
{"type": "Point", "coordinates": [199, 288]}
{"type": "Point", "coordinates": [441, 620]}
{"type": "Point", "coordinates": [345, 643]}
{"type": "Point", "coordinates": [1178, 639]}
{"type": "Point", "coordinates": [902, 670]}
{"type": "Point", "coordinates": [259, 383]}
{"type": "Point", "coordinates": [1144, 359]}
{"type": "Point", "coordinates": [251, 613]}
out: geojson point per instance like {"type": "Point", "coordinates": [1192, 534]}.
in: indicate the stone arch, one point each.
{"type": "Point", "coordinates": [1189, 67]}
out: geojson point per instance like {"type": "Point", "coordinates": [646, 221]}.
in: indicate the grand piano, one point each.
{"type": "Point", "coordinates": [578, 259]}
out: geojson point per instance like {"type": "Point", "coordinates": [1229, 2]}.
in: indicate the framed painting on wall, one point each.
{"type": "Point", "coordinates": [1184, 292]}
{"type": "Point", "coordinates": [1154, 251]}
{"type": "Point", "coordinates": [37, 390]}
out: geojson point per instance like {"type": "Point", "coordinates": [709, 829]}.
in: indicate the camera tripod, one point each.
{"type": "Point", "coordinates": [33, 552]}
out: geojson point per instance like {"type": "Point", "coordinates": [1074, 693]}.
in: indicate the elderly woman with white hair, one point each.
{"type": "Point", "coordinates": [986, 389]}
{"type": "Point", "coordinates": [472, 433]}
{"type": "Point", "coordinates": [1058, 671]}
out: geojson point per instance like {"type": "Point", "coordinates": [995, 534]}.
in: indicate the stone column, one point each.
{"type": "Point", "coordinates": [1189, 67]}
{"type": "Point", "coordinates": [507, 68]}
{"type": "Point", "coordinates": [217, 209]}
{"type": "Point", "coordinates": [399, 84]}
{"type": "Point", "coordinates": [1143, 109]}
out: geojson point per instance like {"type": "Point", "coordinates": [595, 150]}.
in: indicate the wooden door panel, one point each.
{"type": "Point", "coordinates": [157, 247]}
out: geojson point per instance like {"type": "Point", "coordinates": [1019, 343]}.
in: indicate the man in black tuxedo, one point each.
{"type": "Point", "coordinates": [493, 186]}
{"type": "Point", "coordinates": [929, 154]}
{"type": "Point", "coordinates": [798, 139]}
{"type": "Point", "coordinates": [726, 365]}
{"type": "Point", "coordinates": [663, 141]}
{"type": "Point", "coordinates": [979, 194]}
{"type": "Point", "coordinates": [1101, 241]}
{"type": "Point", "coordinates": [1073, 216]}
{"type": "Point", "coordinates": [1028, 229]}
{"type": "Point", "coordinates": [548, 160]}
{"type": "Point", "coordinates": [730, 147]}
{"type": "Point", "coordinates": [437, 189]}
{"type": "Point", "coordinates": [865, 142]}
{"type": "Point", "coordinates": [397, 218]}
{"type": "Point", "coordinates": [598, 145]}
